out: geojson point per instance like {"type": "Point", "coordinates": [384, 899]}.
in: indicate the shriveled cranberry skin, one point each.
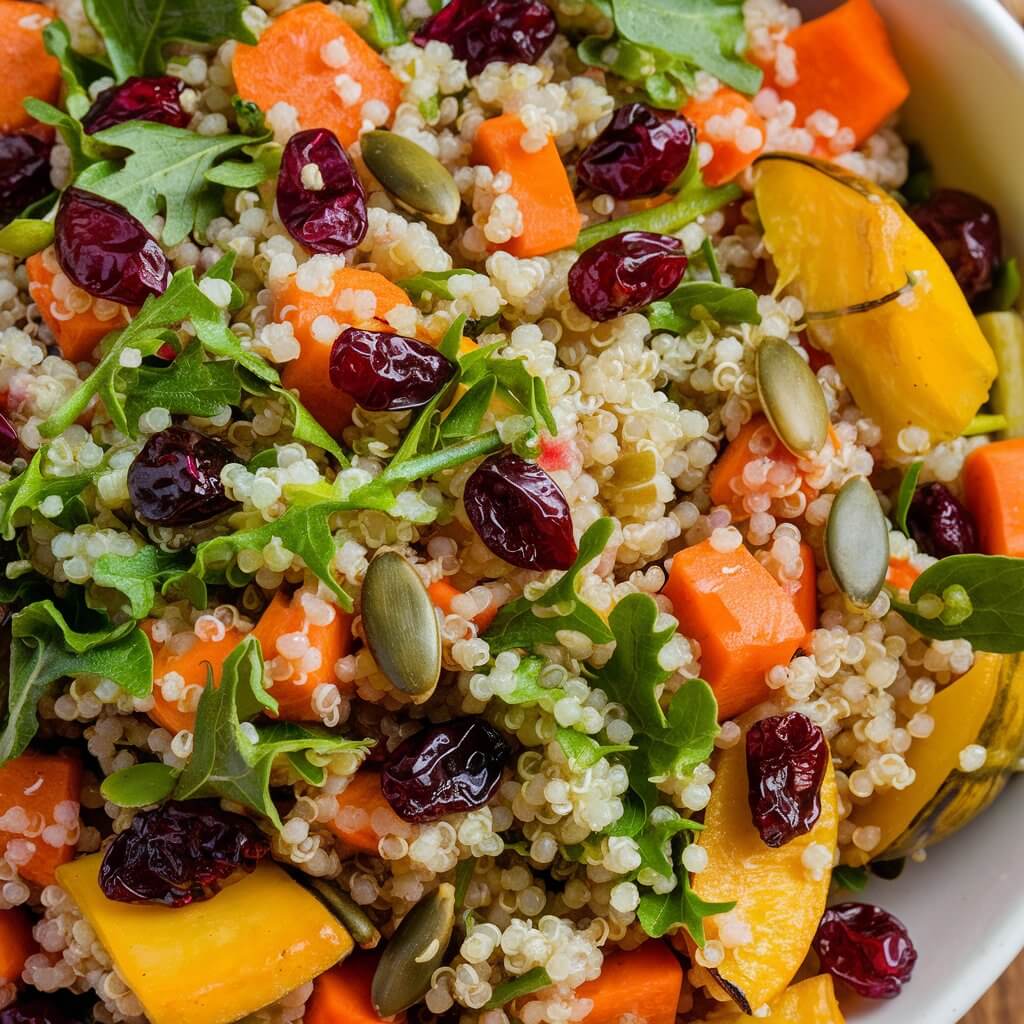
{"type": "Point", "coordinates": [107, 252]}
{"type": "Point", "coordinates": [9, 442]}
{"type": "Point", "coordinates": [481, 32]}
{"type": "Point", "coordinates": [24, 173]}
{"type": "Point", "coordinates": [786, 760]}
{"type": "Point", "coordinates": [965, 229]}
{"type": "Point", "coordinates": [157, 98]}
{"type": "Point", "coordinates": [625, 273]}
{"type": "Point", "coordinates": [42, 1009]}
{"type": "Point", "coordinates": [867, 948]}
{"type": "Point", "coordinates": [179, 853]}
{"type": "Point", "coordinates": [640, 153]}
{"type": "Point", "coordinates": [331, 219]}
{"type": "Point", "coordinates": [520, 514]}
{"type": "Point", "coordinates": [939, 523]}
{"type": "Point", "coordinates": [387, 372]}
{"type": "Point", "coordinates": [446, 769]}
{"type": "Point", "coordinates": [175, 479]}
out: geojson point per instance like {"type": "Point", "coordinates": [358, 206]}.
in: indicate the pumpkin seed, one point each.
{"type": "Point", "coordinates": [401, 626]}
{"type": "Point", "coordinates": [792, 397]}
{"type": "Point", "coordinates": [857, 541]}
{"type": "Point", "coordinates": [414, 178]}
{"type": "Point", "coordinates": [415, 951]}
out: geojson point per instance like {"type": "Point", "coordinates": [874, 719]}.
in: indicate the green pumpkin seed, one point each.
{"type": "Point", "coordinates": [417, 180]}
{"type": "Point", "coordinates": [401, 626]}
{"type": "Point", "coordinates": [343, 907]}
{"type": "Point", "coordinates": [857, 541]}
{"type": "Point", "coordinates": [415, 951]}
{"type": "Point", "coordinates": [791, 397]}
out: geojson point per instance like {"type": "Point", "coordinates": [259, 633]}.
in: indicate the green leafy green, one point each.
{"type": "Point", "coordinates": [386, 27]}
{"type": "Point", "coordinates": [515, 988]}
{"type": "Point", "coordinates": [44, 649]}
{"type": "Point", "coordinates": [851, 879]}
{"type": "Point", "coordinates": [906, 495]}
{"type": "Point", "coordinates": [465, 418]}
{"type": "Point", "coordinates": [29, 489]}
{"type": "Point", "coordinates": [434, 282]}
{"type": "Point", "coordinates": [707, 248]}
{"type": "Point", "coordinates": [136, 32]}
{"type": "Point", "coordinates": [694, 302]}
{"type": "Point", "coordinates": [138, 576]}
{"type": "Point", "coordinates": [264, 164]}
{"type": "Point", "coordinates": [85, 149]}
{"type": "Point", "coordinates": [1006, 287]}
{"type": "Point", "coordinates": [583, 752]}
{"type": "Point", "coordinates": [515, 383]}
{"type": "Point", "coordinates": [655, 842]}
{"type": "Point", "coordinates": [140, 785]}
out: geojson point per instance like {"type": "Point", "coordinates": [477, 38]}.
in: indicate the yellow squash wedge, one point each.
{"type": "Point", "coordinates": [775, 894]}
{"type": "Point", "coordinates": [808, 1002]}
{"type": "Point", "coordinates": [879, 297]}
{"type": "Point", "coordinates": [218, 960]}
{"type": "Point", "coordinates": [984, 706]}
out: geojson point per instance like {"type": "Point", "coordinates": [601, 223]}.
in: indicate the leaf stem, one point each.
{"type": "Point", "coordinates": [986, 423]}
{"type": "Point", "coordinates": [435, 462]}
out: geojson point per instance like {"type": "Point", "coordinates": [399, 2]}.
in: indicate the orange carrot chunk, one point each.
{"type": "Point", "coordinates": [16, 944]}
{"type": "Point", "coordinates": [43, 790]}
{"type": "Point", "coordinates": [364, 815]}
{"type": "Point", "coordinates": [442, 593]}
{"type": "Point", "coordinates": [901, 574]}
{"type": "Point", "coordinates": [539, 185]}
{"type": "Point", "coordinates": [728, 123]}
{"type": "Point", "coordinates": [636, 985]}
{"type": "Point", "coordinates": [745, 622]}
{"type": "Point", "coordinates": [310, 373]}
{"type": "Point", "coordinates": [302, 637]}
{"type": "Point", "coordinates": [994, 486]}
{"type": "Point", "coordinates": [342, 994]}
{"type": "Point", "coordinates": [77, 332]}
{"type": "Point", "coordinates": [805, 596]}
{"type": "Point", "coordinates": [313, 61]}
{"type": "Point", "coordinates": [845, 65]}
{"type": "Point", "coordinates": [28, 69]}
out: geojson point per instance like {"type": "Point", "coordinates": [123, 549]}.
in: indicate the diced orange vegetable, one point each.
{"type": "Point", "coordinates": [539, 184]}
{"type": "Point", "coordinates": [361, 807]}
{"type": "Point", "coordinates": [845, 65]}
{"type": "Point", "coordinates": [28, 69]}
{"type": "Point", "coordinates": [728, 123]}
{"type": "Point", "coordinates": [342, 994]}
{"type": "Point", "coordinates": [901, 574]}
{"type": "Point", "coordinates": [77, 334]}
{"type": "Point", "coordinates": [39, 784]}
{"type": "Point", "coordinates": [442, 592]}
{"type": "Point", "coordinates": [745, 622]}
{"type": "Point", "coordinates": [288, 66]}
{"type": "Point", "coordinates": [309, 374]}
{"type": "Point", "coordinates": [639, 984]}
{"type": "Point", "coordinates": [192, 666]}
{"type": "Point", "coordinates": [805, 597]}
{"type": "Point", "coordinates": [16, 944]}
{"type": "Point", "coordinates": [994, 489]}
{"type": "Point", "coordinates": [286, 616]}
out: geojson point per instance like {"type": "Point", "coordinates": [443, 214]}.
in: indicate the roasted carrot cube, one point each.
{"type": "Point", "coordinates": [16, 944]}
{"type": "Point", "coordinates": [342, 994]}
{"type": "Point", "coordinates": [728, 123]}
{"type": "Point", "coordinates": [641, 984]}
{"type": "Point", "coordinates": [994, 487]}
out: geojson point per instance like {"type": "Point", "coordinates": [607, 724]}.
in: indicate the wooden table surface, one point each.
{"type": "Point", "coordinates": [1003, 1002]}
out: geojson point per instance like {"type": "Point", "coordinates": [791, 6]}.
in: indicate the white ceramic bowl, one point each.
{"type": "Point", "coordinates": [964, 906]}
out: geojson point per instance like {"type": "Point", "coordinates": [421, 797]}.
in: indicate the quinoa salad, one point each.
{"type": "Point", "coordinates": [512, 511]}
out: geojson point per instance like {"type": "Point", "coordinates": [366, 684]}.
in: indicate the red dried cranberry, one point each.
{"type": "Point", "coordinates": [138, 99]}
{"type": "Point", "coordinates": [786, 760]}
{"type": "Point", "coordinates": [446, 769]}
{"type": "Point", "coordinates": [9, 441]}
{"type": "Point", "coordinates": [939, 523]}
{"type": "Point", "coordinates": [965, 229]}
{"type": "Point", "coordinates": [329, 218]}
{"type": "Point", "coordinates": [387, 372]}
{"type": "Point", "coordinates": [520, 514]}
{"type": "Point", "coordinates": [106, 251]}
{"type": "Point", "coordinates": [867, 948]}
{"type": "Point", "coordinates": [481, 32]}
{"type": "Point", "coordinates": [24, 173]}
{"type": "Point", "coordinates": [179, 853]}
{"type": "Point", "coordinates": [625, 273]}
{"type": "Point", "coordinates": [640, 153]}
{"type": "Point", "coordinates": [175, 479]}
{"type": "Point", "coordinates": [42, 1009]}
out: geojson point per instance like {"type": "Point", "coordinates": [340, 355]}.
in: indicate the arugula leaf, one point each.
{"type": "Point", "coordinates": [518, 625]}
{"type": "Point", "coordinates": [85, 149]}
{"type": "Point", "coordinates": [1006, 287]}
{"type": "Point", "coordinates": [655, 843]}
{"type": "Point", "coordinates": [433, 281]}
{"type": "Point", "coordinates": [466, 416]}
{"type": "Point", "coordinates": [44, 649]}
{"type": "Point", "coordinates": [583, 752]}
{"type": "Point", "coordinates": [30, 488]}
{"type": "Point", "coordinates": [515, 383]}
{"type": "Point", "coordinates": [906, 496]}
{"type": "Point", "coordinates": [852, 879]}
{"type": "Point", "coordinates": [690, 735]}
{"type": "Point", "coordinates": [658, 914]}
{"type": "Point", "coordinates": [140, 785]}
{"type": "Point", "coordinates": [136, 32]}
{"type": "Point", "coordinates": [76, 70]}
{"type": "Point", "coordinates": [264, 164]}
{"type": "Point", "coordinates": [138, 576]}
{"type": "Point", "coordinates": [515, 988]}
{"type": "Point", "coordinates": [694, 302]}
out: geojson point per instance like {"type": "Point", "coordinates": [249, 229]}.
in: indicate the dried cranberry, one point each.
{"type": "Point", "coordinates": [446, 769]}
{"type": "Point", "coordinates": [9, 441]}
{"type": "Point", "coordinates": [106, 251]}
{"type": "Point", "coordinates": [867, 948]}
{"type": "Point", "coordinates": [24, 173]}
{"type": "Point", "coordinates": [323, 207]}
{"type": "Point", "coordinates": [640, 153]}
{"type": "Point", "coordinates": [939, 523]}
{"type": "Point", "coordinates": [175, 479]}
{"type": "Point", "coordinates": [520, 514]}
{"type": "Point", "coordinates": [52, 1008]}
{"type": "Point", "coordinates": [138, 99]}
{"type": "Point", "coordinates": [786, 760]}
{"type": "Point", "coordinates": [179, 853]}
{"type": "Point", "coordinates": [624, 273]}
{"type": "Point", "coordinates": [481, 32]}
{"type": "Point", "coordinates": [387, 372]}
{"type": "Point", "coordinates": [965, 229]}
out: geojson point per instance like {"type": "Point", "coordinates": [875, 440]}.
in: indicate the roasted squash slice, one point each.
{"type": "Point", "coordinates": [984, 706]}
{"type": "Point", "coordinates": [808, 1002]}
